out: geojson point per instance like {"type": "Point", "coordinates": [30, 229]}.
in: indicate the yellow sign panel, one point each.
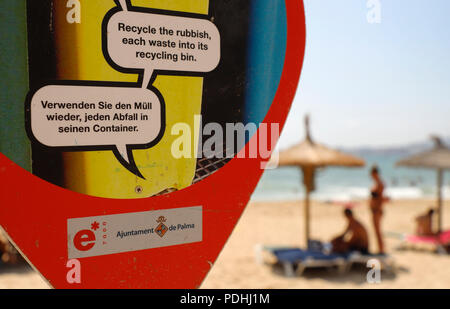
{"type": "Point", "coordinates": [80, 57]}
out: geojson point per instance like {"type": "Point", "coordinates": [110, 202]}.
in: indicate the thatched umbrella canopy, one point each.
{"type": "Point", "coordinates": [437, 158]}
{"type": "Point", "coordinates": [309, 155]}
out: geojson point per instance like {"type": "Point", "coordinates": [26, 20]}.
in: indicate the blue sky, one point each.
{"type": "Point", "coordinates": [374, 84]}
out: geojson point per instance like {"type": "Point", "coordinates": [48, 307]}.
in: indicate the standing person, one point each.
{"type": "Point", "coordinates": [376, 205]}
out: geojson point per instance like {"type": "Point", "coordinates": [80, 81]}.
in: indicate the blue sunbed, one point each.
{"type": "Point", "coordinates": [386, 261]}
{"type": "Point", "coordinates": [303, 259]}
{"type": "Point", "coordinates": [291, 258]}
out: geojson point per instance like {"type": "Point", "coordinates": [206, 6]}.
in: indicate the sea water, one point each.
{"type": "Point", "coordinates": [336, 184]}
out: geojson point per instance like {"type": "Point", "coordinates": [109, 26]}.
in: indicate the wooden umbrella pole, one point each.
{"type": "Point", "coordinates": [308, 182]}
{"type": "Point", "coordinates": [439, 199]}
{"type": "Point", "coordinates": [307, 214]}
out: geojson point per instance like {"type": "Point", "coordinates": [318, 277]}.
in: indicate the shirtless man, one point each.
{"type": "Point", "coordinates": [355, 237]}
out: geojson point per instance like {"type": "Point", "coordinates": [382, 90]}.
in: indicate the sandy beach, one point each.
{"type": "Point", "coordinates": [282, 224]}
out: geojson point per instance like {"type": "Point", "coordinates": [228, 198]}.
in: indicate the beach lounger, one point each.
{"type": "Point", "coordinates": [387, 261]}
{"type": "Point", "coordinates": [440, 242]}
{"type": "Point", "coordinates": [296, 261]}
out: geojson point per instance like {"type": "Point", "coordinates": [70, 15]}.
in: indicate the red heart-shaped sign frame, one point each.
{"type": "Point", "coordinates": [34, 213]}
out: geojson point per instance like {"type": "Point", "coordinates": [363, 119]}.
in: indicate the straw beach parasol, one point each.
{"type": "Point", "coordinates": [309, 155]}
{"type": "Point", "coordinates": [437, 158]}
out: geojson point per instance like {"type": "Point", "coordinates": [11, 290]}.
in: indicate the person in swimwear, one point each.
{"type": "Point", "coordinates": [376, 206]}
{"type": "Point", "coordinates": [425, 224]}
{"type": "Point", "coordinates": [355, 237]}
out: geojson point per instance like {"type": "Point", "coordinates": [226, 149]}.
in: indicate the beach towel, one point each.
{"type": "Point", "coordinates": [441, 239]}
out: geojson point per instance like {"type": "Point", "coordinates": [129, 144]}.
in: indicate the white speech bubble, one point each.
{"type": "Point", "coordinates": [96, 117]}
{"type": "Point", "coordinates": [138, 40]}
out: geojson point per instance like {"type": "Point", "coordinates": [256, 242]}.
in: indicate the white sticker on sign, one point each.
{"type": "Point", "coordinates": [83, 116]}
{"type": "Point", "coordinates": [137, 40]}
{"type": "Point", "coordinates": [104, 235]}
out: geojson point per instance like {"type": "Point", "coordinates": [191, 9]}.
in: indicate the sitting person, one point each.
{"type": "Point", "coordinates": [355, 237]}
{"type": "Point", "coordinates": [425, 224]}
{"type": "Point", "coordinates": [8, 254]}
